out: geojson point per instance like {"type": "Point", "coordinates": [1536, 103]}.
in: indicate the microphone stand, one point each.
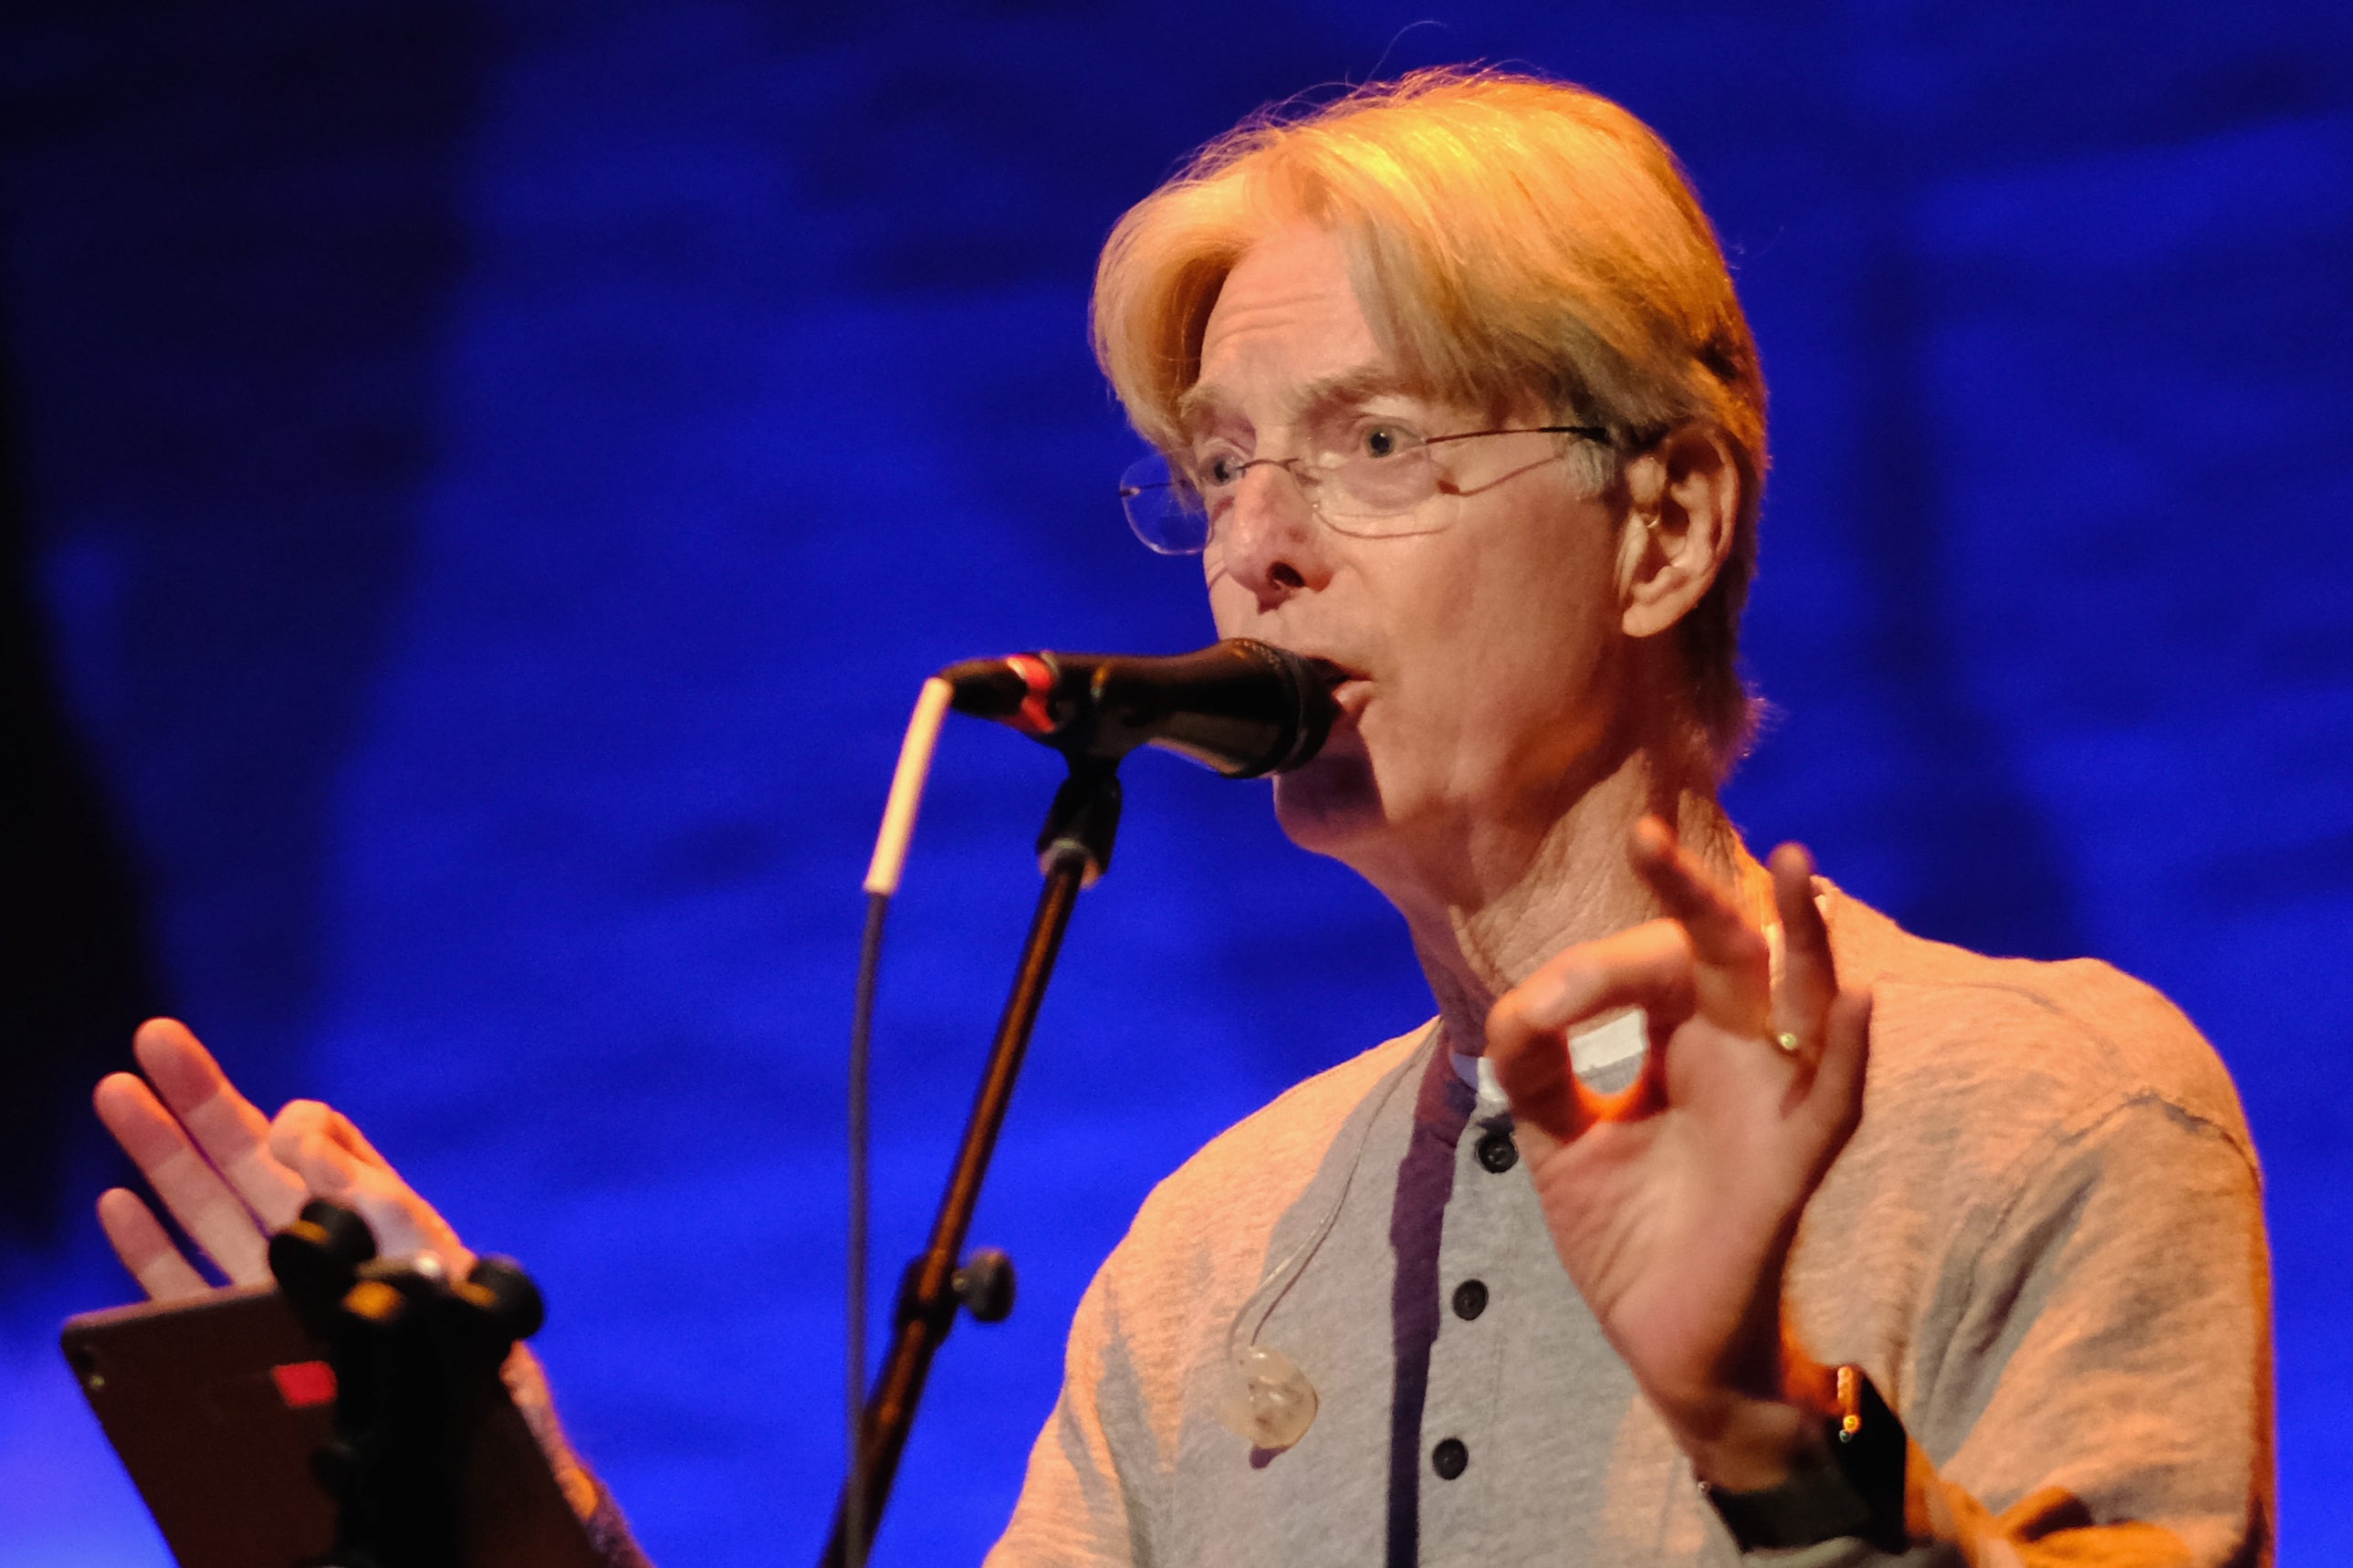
{"type": "Point", "coordinates": [1074, 849]}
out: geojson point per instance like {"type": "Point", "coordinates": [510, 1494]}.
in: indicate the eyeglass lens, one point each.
{"type": "Point", "coordinates": [1355, 494]}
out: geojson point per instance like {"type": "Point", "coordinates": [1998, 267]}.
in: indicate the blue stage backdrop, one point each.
{"type": "Point", "coordinates": [492, 476]}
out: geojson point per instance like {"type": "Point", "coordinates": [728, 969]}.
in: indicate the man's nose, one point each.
{"type": "Point", "coordinates": [1273, 542]}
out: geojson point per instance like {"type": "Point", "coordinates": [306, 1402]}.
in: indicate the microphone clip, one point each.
{"type": "Point", "coordinates": [1084, 817]}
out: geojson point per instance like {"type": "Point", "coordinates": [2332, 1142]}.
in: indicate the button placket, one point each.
{"type": "Point", "coordinates": [1466, 1367]}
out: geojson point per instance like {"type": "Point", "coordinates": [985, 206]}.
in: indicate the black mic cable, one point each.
{"type": "Point", "coordinates": [883, 876]}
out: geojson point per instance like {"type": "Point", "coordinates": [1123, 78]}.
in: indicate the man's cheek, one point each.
{"type": "Point", "coordinates": [1230, 606]}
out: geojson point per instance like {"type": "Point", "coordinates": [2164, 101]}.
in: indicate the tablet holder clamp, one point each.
{"type": "Point", "coordinates": [416, 1357]}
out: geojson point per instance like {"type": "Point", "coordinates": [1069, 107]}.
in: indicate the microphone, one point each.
{"type": "Point", "coordinates": [1242, 708]}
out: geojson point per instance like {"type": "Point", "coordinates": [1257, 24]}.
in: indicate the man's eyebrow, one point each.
{"type": "Point", "coordinates": [1197, 402]}
{"type": "Point", "coordinates": [1357, 385]}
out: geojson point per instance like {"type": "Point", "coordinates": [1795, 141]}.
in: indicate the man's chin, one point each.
{"type": "Point", "coordinates": [1330, 803]}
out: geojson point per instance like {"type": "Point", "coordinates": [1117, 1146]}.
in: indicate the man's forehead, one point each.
{"type": "Point", "coordinates": [1205, 401]}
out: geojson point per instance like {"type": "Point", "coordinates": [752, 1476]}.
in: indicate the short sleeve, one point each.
{"type": "Point", "coordinates": [2091, 1380]}
{"type": "Point", "coordinates": [1079, 1505]}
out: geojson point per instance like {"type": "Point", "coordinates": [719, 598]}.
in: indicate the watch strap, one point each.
{"type": "Point", "coordinates": [1853, 1486]}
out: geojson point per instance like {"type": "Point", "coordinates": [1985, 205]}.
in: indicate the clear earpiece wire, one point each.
{"type": "Point", "coordinates": [1272, 1403]}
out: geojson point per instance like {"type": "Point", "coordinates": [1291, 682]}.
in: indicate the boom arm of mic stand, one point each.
{"type": "Point", "coordinates": [1074, 849]}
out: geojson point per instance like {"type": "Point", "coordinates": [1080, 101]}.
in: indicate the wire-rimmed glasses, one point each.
{"type": "Point", "coordinates": [1366, 490]}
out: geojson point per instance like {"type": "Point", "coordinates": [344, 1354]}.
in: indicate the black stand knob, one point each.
{"type": "Point", "coordinates": [985, 1286]}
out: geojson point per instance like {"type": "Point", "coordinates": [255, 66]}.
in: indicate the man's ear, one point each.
{"type": "Point", "coordinates": [1683, 506]}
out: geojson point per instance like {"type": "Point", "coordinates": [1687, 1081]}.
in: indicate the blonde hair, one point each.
{"type": "Point", "coordinates": [1509, 237]}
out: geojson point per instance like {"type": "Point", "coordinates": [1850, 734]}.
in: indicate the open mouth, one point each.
{"type": "Point", "coordinates": [1348, 685]}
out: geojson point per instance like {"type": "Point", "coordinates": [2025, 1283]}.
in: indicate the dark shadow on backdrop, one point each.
{"type": "Point", "coordinates": [75, 973]}
{"type": "Point", "coordinates": [233, 236]}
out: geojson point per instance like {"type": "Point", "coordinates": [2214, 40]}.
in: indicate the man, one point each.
{"type": "Point", "coordinates": [1457, 395]}
{"type": "Point", "coordinates": [1619, 1261]}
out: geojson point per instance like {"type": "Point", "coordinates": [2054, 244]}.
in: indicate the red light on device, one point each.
{"type": "Point", "coordinates": [303, 1383]}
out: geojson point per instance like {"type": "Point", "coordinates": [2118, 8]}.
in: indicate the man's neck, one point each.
{"type": "Point", "coordinates": [1513, 900]}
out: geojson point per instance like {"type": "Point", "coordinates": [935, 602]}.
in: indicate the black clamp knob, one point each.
{"type": "Point", "coordinates": [985, 1286]}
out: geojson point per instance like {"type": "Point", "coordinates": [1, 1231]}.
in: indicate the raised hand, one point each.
{"type": "Point", "coordinates": [231, 1176]}
{"type": "Point", "coordinates": [1674, 1202]}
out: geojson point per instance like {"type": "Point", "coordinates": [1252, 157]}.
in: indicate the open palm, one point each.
{"type": "Point", "coordinates": [231, 1176]}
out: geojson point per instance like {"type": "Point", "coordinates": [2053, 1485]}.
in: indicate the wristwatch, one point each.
{"type": "Point", "coordinates": [1854, 1488]}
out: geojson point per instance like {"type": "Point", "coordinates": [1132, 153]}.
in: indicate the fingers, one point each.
{"type": "Point", "coordinates": [300, 1120]}
{"type": "Point", "coordinates": [140, 1241]}
{"type": "Point", "coordinates": [218, 1163]}
{"type": "Point", "coordinates": [223, 1125]}
{"type": "Point", "coordinates": [1733, 982]}
{"type": "Point", "coordinates": [1844, 1065]}
{"type": "Point", "coordinates": [1808, 978]}
{"type": "Point", "coordinates": [320, 1144]}
{"type": "Point", "coordinates": [214, 1217]}
{"type": "Point", "coordinates": [309, 1138]}
{"type": "Point", "coordinates": [1531, 1064]}
{"type": "Point", "coordinates": [1648, 967]}
{"type": "Point", "coordinates": [1527, 1031]}
{"type": "Point", "coordinates": [1720, 932]}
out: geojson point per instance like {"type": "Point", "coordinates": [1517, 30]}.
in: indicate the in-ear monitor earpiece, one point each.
{"type": "Point", "coordinates": [1270, 1401]}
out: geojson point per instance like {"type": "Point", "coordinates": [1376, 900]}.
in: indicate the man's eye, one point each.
{"type": "Point", "coordinates": [1217, 470]}
{"type": "Point", "coordinates": [1384, 440]}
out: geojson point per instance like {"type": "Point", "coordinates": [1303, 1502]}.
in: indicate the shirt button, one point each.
{"type": "Point", "coordinates": [1470, 1300]}
{"type": "Point", "coordinates": [1498, 1152]}
{"type": "Point", "coordinates": [1450, 1458]}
